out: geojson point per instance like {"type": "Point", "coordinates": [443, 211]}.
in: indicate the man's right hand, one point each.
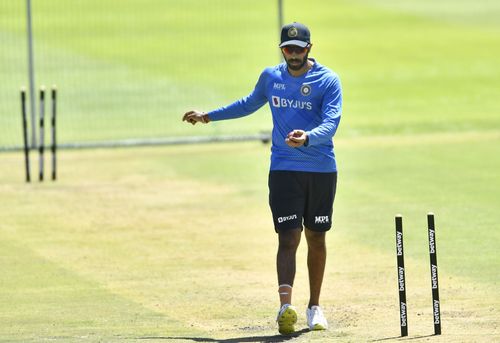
{"type": "Point", "coordinates": [194, 117]}
{"type": "Point", "coordinates": [296, 138]}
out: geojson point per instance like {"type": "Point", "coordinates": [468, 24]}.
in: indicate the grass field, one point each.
{"type": "Point", "coordinates": [125, 70]}
{"type": "Point", "coordinates": [175, 244]}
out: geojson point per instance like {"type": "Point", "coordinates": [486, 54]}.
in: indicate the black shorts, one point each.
{"type": "Point", "coordinates": [302, 198]}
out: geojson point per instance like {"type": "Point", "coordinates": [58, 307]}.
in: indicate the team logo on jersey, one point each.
{"type": "Point", "coordinates": [292, 32]}
{"type": "Point", "coordinates": [305, 90]}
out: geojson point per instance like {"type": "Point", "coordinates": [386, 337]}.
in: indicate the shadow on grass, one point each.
{"type": "Point", "coordinates": [400, 338]}
{"type": "Point", "coordinates": [265, 339]}
{"type": "Point", "coordinates": [385, 339]}
{"type": "Point", "coordinates": [424, 336]}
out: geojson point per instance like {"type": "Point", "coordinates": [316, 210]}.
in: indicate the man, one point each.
{"type": "Point", "coordinates": [306, 103]}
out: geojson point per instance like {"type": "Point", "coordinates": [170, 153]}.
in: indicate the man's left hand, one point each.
{"type": "Point", "coordinates": [296, 138]}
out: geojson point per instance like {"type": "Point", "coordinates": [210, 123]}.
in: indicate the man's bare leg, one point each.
{"type": "Point", "coordinates": [316, 261]}
{"type": "Point", "coordinates": [285, 263]}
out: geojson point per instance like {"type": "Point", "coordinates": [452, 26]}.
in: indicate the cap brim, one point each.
{"type": "Point", "coordinates": [300, 43]}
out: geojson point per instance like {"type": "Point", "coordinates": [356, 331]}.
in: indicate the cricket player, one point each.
{"type": "Point", "coordinates": [305, 99]}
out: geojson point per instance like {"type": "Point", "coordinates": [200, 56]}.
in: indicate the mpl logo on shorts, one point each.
{"type": "Point", "coordinates": [291, 103]}
{"type": "Point", "coordinates": [286, 218]}
{"type": "Point", "coordinates": [321, 220]}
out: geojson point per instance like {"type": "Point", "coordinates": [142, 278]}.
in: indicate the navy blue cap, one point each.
{"type": "Point", "coordinates": [295, 34]}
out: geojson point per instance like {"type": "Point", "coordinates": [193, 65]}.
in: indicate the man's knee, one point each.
{"type": "Point", "coordinates": [289, 239]}
{"type": "Point", "coordinates": [315, 239]}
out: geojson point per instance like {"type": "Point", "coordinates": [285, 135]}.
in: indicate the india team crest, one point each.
{"type": "Point", "coordinates": [305, 90]}
{"type": "Point", "coordinates": [292, 32]}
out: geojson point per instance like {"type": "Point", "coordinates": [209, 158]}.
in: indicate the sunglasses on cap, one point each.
{"type": "Point", "coordinates": [290, 49]}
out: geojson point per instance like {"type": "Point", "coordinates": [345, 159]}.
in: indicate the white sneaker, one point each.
{"type": "Point", "coordinates": [315, 318]}
{"type": "Point", "coordinates": [287, 317]}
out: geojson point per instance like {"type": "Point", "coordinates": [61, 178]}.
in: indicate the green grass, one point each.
{"type": "Point", "coordinates": [446, 174]}
{"type": "Point", "coordinates": [131, 71]}
{"type": "Point", "coordinates": [43, 300]}
{"type": "Point", "coordinates": [175, 244]}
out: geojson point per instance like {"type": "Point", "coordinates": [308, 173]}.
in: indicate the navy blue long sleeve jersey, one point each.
{"type": "Point", "coordinates": [311, 102]}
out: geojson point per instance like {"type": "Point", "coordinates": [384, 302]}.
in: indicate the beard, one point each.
{"type": "Point", "coordinates": [296, 63]}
